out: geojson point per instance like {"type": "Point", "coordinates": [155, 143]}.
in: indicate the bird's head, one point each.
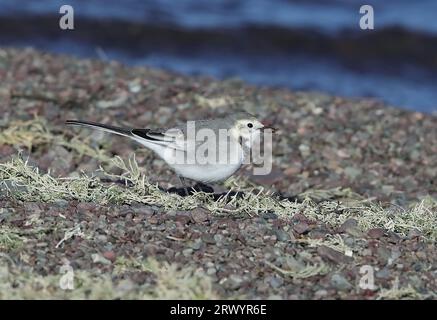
{"type": "Point", "coordinates": [246, 127]}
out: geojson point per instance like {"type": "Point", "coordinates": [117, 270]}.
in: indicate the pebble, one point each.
{"type": "Point", "coordinates": [414, 233]}
{"type": "Point", "coordinates": [187, 252]}
{"type": "Point", "coordinates": [375, 233]}
{"type": "Point", "coordinates": [350, 226]}
{"type": "Point", "coordinates": [97, 258]}
{"type": "Point", "coordinates": [301, 227]}
{"type": "Point", "coordinates": [321, 293]}
{"type": "Point", "coordinates": [234, 281]}
{"type": "Point", "coordinates": [196, 245]}
{"type": "Point", "coordinates": [276, 282]}
{"type": "Point", "coordinates": [340, 283]}
{"type": "Point", "coordinates": [333, 255]}
{"type": "Point", "coordinates": [383, 274]}
{"type": "Point", "coordinates": [61, 203]}
{"type": "Point", "coordinates": [218, 238]}
{"type": "Point", "coordinates": [200, 215]}
{"type": "Point", "coordinates": [281, 235]}
{"type": "Point", "coordinates": [384, 254]}
{"type": "Point", "coordinates": [270, 215]}
{"type": "Point", "coordinates": [102, 238]}
{"type": "Point", "coordinates": [211, 271]}
{"type": "Point", "coordinates": [110, 255]}
{"type": "Point", "coordinates": [208, 238]}
{"type": "Point", "coordinates": [305, 150]}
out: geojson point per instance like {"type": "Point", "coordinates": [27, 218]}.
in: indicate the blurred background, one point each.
{"type": "Point", "coordinates": [299, 44]}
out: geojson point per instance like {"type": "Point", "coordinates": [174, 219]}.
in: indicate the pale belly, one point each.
{"type": "Point", "coordinates": [216, 166]}
{"type": "Point", "coordinates": [206, 173]}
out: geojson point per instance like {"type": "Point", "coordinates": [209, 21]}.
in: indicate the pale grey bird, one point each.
{"type": "Point", "coordinates": [202, 150]}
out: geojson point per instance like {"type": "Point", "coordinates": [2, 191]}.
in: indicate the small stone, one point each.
{"type": "Point", "coordinates": [234, 281]}
{"type": "Point", "coordinates": [318, 233]}
{"type": "Point", "coordinates": [274, 176]}
{"type": "Point", "coordinates": [200, 215]}
{"type": "Point", "coordinates": [414, 233]}
{"type": "Point", "coordinates": [349, 223]}
{"type": "Point", "coordinates": [110, 255]}
{"type": "Point", "coordinates": [305, 150]}
{"type": "Point", "coordinates": [187, 252]}
{"type": "Point", "coordinates": [356, 232]}
{"type": "Point", "coordinates": [317, 111]}
{"type": "Point", "coordinates": [153, 220]}
{"type": "Point", "coordinates": [384, 254]}
{"type": "Point", "coordinates": [97, 258]}
{"type": "Point", "coordinates": [383, 274]}
{"type": "Point", "coordinates": [276, 282]}
{"type": "Point", "coordinates": [333, 255]}
{"type": "Point", "coordinates": [196, 245]}
{"type": "Point", "coordinates": [340, 283]}
{"type": "Point", "coordinates": [61, 203]}
{"type": "Point", "coordinates": [293, 170]}
{"type": "Point", "coordinates": [375, 233]}
{"type": "Point", "coordinates": [102, 238]}
{"type": "Point", "coordinates": [32, 208]}
{"type": "Point", "coordinates": [270, 215]}
{"type": "Point", "coordinates": [58, 159]}
{"type": "Point", "coordinates": [125, 285]}
{"type": "Point", "coordinates": [352, 173]}
{"type": "Point", "coordinates": [321, 293]}
{"type": "Point", "coordinates": [211, 271]}
{"type": "Point", "coordinates": [208, 238]}
{"type": "Point", "coordinates": [301, 227]}
{"type": "Point", "coordinates": [218, 238]}
{"type": "Point", "coordinates": [281, 235]}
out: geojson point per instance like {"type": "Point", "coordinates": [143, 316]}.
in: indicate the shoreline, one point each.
{"type": "Point", "coordinates": [400, 70]}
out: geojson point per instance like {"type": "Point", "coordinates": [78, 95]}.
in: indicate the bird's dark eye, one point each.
{"type": "Point", "coordinates": [250, 125]}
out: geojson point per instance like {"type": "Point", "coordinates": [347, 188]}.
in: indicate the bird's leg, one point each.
{"type": "Point", "coordinates": [182, 180]}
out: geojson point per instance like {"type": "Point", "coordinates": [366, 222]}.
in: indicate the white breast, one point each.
{"type": "Point", "coordinates": [204, 163]}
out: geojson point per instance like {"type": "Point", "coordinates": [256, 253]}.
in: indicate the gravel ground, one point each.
{"type": "Point", "coordinates": [330, 152]}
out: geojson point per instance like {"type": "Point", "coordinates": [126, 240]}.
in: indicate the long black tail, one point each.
{"type": "Point", "coordinates": [99, 126]}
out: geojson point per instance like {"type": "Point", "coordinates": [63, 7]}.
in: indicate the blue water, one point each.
{"type": "Point", "coordinates": [328, 15]}
{"type": "Point", "coordinates": [410, 86]}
